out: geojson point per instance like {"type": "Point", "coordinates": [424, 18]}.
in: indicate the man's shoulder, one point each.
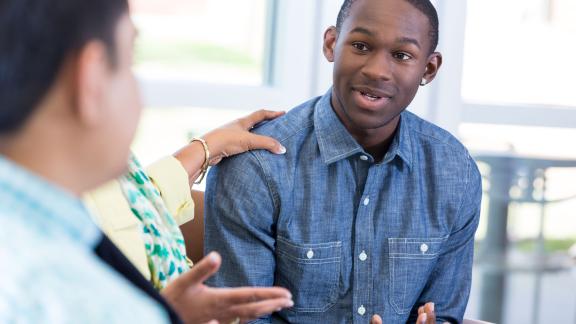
{"type": "Point", "coordinates": [432, 136]}
{"type": "Point", "coordinates": [290, 130]}
{"type": "Point", "coordinates": [31, 256]}
{"type": "Point", "coordinates": [45, 275]}
{"type": "Point", "coordinates": [29, 245]}
{"type": "Point", "coordinates": [15, 232]}
{"type": "Point", "coordinates": [441, 149]}
{"type": "Point", "coordinates": [296, 121]}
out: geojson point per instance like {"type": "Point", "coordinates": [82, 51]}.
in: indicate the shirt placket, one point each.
{"type": "Point", "coordinates": [363, 250]}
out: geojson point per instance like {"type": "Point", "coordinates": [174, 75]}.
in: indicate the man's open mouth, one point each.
{"type": "Point", "coordinates": [370, 96]}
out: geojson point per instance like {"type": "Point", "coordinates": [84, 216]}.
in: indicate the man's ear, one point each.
{"type": "Point", "coordinates": [432, 67]}
{"type": "Point", "coordinates": [91, 72]}
{"type": "Point", "coordinates": [330, 37]}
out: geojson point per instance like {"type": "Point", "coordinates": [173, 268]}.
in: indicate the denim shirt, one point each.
{"type": "Point", "coordinates": [347, 236]}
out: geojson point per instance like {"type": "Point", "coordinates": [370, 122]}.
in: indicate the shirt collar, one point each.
{"type": "Point", "coordinates": [402, 143]}
{"type": "Point", "coordinates": [45, 203]}
{"type": "Point", "coordinates": [333, 138]}
{"type": "Point", "coordinates": [336, 143]}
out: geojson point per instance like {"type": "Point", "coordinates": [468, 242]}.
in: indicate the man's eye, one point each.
{"type": "Point", "coordinates": [402, 56]}
{"type": "Point", "coordinates": [360, 46]}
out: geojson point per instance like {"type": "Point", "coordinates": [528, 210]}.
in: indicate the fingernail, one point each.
{"type": "Point", "coordinates": [432, 306]}
{"type": "Point", "coordinates": [289, 295]}
{"type": "Point", "coordinates": [281, 150]}
{"type": "Point", "coordinates": [213, 257]}
{"type": "Point", "coordinates": [290, 303]}
{"type": "Point", "coordinates": [424, 318]}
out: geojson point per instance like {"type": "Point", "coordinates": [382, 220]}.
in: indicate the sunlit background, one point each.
{"type": "Point", "coordinates": [507, 89]}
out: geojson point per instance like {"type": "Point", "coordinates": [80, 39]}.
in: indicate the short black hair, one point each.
{"type": "Point", "coordinates": [425, 6]}
{"type": "Point", "coordinates": [36, 38]}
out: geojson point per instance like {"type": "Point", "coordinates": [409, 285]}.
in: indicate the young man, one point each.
{"type": "Point", "coordinates": [69, 107]}
{"type": "Point", "coordinates": [373, 210]}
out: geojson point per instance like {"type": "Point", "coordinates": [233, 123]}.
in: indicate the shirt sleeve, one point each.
{"type": "Point", "coordinates": [240, 219]}
{"type": "Point", "coordinates": [449, 284]}
{"type": "Point", "coordinates": [171, 179]}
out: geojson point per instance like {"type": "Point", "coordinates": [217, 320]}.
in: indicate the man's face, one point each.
{"type": "Point", "coordinates": [380, 57]}
{"type": "Point", "coordinates": [121, 101]}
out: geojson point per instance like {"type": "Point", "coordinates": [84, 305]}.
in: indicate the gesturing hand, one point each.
{"type": "Point", "coordinates": [197, 303]}
{"type": "Point", "coordinates": [426, 315]}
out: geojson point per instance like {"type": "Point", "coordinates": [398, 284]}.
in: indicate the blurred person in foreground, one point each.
{"type": "Point", "coordinates": [69, 106]}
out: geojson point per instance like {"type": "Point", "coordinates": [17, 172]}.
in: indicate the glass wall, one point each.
{"type": "Point", "coordinates": [520, 124]}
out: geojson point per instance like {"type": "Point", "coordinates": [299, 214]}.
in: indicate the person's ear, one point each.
{"type": "Point", "coordinates": [330, 37]}
{"type": "Point", "coordinates": [91, 73]}
{"type": "Point", "coordinates": [432, 67]}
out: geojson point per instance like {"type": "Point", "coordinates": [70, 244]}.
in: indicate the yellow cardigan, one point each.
{"type": "Point", "coordinates": [111, 212]}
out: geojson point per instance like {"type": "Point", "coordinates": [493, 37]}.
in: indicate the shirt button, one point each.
{"type": "Point", "coordinates": [424, 248]}
{"type": "Point", "coordinates": [363, 256]}
{"type": "Point", "coordinates": [363, 158]}
{"type": "Point", "coordinates": [310, 254]}
{"type": "Point", "coordinates": [361, 310]}
{"type": "Point", "coordinates": [366, 201]}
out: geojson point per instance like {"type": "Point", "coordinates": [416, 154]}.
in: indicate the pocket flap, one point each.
{"type": "Point", "coordinates": [309, 253]}
{"type": "Point", "coordinates": [415, 247]}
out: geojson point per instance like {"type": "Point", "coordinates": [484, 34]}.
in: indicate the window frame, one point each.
{"type": "Point", "coordinates": [451, 110]}
{"type": "Point", "coordinates": [289, 38]}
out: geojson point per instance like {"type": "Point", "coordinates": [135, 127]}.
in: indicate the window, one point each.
{"type": "Point", "coordinates": [519, 52]}
{"type": "Point", "coordinates": [506, 88]}
{"type": "Point", "coordinates": [188, 40]}
{"type": "Point", "coordinates": [203, 63]}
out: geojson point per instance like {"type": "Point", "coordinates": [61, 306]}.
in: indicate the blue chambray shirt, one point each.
{"type": "Point", "coordinates": [48, 271]}
{"type": "Point", "coordinates": [348, 237]}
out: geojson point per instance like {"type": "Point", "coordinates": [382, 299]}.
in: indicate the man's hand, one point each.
{"type": "Point", "coordinates": [426, 315]}
{"type": "Point", "coordinates": [197, 303]}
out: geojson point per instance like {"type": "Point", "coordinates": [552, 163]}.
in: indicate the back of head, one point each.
{"type": "Point", "coordinates": [424, 6]}
{"type": "Point", "coordinates": [36, 39]}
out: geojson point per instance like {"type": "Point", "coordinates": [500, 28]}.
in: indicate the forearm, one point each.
{"type": "Point", "coordinates": [192, 158]}
{"type": "Point", "coordinates": [449, 284]}
{"type": "Point", "coordinates": [448, 287]}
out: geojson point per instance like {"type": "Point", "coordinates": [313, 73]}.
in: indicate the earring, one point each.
{"type": "Point", "coordinates": [423, 82]}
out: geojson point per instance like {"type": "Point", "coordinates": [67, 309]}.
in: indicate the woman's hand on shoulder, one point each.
{"type": "Point", "coordinates": [235, 137]}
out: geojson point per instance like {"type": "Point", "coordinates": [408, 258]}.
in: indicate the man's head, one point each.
{"type": "Point", "coordinates": [66, 81]}
{"type": "Point", "coordinates": [382, 51]}
{"type": "Point", "coordinates": [425, 6]}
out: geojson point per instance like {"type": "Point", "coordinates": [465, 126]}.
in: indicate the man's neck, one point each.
{"type": "Point", "coordinates": [46, 155]}
{"type": "Point", "coordinates": [49, 167]}
{"type": "Point", "coordinates": [376, 142]}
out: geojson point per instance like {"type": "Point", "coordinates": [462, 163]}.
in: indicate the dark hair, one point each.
{"type": "Point", "coordinates": [36, 37]}
{"type": "Point", "coordinates": [425, 6]}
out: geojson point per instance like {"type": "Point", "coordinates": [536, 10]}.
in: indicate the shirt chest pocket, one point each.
{"type": "Point", "coordinates": [310, 271]}
{"type": "Point", "coordinates": [411, 263]}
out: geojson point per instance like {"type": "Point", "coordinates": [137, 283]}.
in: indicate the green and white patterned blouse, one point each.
{"type": "Point", "coordinates": [163, 240]}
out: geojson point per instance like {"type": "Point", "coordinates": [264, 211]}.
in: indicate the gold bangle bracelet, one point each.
{"type": "Point", "coordinates": [205, 165]}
